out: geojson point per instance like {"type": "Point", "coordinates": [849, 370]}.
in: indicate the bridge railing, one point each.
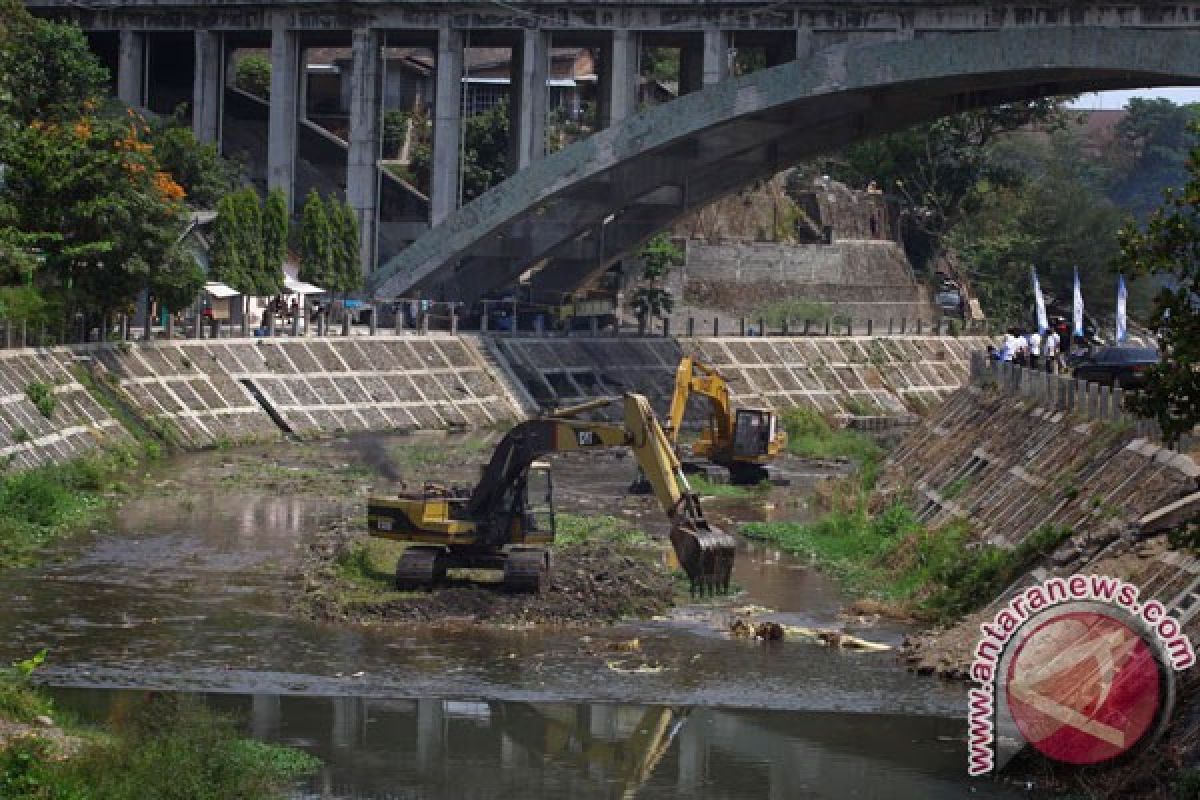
{"type": "Point", "coordinates": [1061, 392]}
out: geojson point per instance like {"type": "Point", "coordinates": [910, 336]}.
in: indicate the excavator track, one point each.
{"type": "Point", "coordinates": [420, 568]}
{"type": "Point", "coordinates": [527, 570]}
{"type": "Point", "coordinates": [706, 555]}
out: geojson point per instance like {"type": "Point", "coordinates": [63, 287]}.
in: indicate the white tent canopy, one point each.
{"type": "Point", "coordinates": [300, 287]}
{"type": "Point", "coordinates": [220, 290]}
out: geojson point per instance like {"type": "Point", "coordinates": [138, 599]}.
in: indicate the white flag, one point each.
{"type": "Point", "coordinates": [1039, 302]}
{"type": "Point", "coordinates": [1122, 332]}
{"type": "Point", "coordinates": [1078, 310]}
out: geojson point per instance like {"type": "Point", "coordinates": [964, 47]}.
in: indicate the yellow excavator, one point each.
{"type": "Point", "coordinates": [737, 444]}
{"type": "Point", "coordinates": [507, 520]}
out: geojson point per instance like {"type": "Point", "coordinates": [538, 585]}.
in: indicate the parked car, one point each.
{"type": "Point", "coordinates": [1120, 366]}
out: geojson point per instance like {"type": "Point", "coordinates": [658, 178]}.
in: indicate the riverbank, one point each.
{"type": "Point", "coordinates": [158, 746]}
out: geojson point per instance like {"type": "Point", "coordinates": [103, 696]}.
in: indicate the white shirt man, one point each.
{"type": "Point", "coordinates": [1035, 344]}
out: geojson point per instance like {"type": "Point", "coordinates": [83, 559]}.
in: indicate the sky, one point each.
{"type": "Point", "coordinates": [1116, 100]}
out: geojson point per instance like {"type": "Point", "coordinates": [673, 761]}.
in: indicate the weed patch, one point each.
{"type": "Point", "coordinates": [705, 488]}
{"type": "Point", "coordinates": [42, 397]}
{"type": "Point", "coordinates": [811, 435]}
{"type": "Point", "coordinates": [573, 529]}
{"type": "Point", "coordinates": [38, 505]}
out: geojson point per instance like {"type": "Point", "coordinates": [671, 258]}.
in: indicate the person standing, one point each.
{"type": "Point", "coordinates": [1050, 350]}
{"type": "Point", "coordinates": [1035, 349]}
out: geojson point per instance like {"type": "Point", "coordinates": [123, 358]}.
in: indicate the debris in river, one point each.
{"type": "Point", "coordinates": [767, 631]}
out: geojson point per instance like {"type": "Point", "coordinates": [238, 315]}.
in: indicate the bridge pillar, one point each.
{"type": "Point", "coordinates": [531, 63]}
{"type": "Point", "coordinates": [207, 86]}
{"type": "Point", "coordinates": [447, 125]}
{"type": "Point", "coordinates": [618, 78]}
{"type": "Point", "coordinates": [131, 69]}
{"type": "Point", "coordinates": [716, 56]}
{"type": "Point", "coordinates": [281, 131]}
{"type": "Point", "coordinates": [362, 179]}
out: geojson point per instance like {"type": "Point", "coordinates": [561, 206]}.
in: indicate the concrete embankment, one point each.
{"type": "Point", "coordinates": [1011, 462]}
{"type": "Point", "coordinates": [201, 393]}
{"type": "Point", "coordinates": [838, 374]}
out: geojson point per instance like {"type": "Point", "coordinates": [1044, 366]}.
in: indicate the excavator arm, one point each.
{"type": "Point", "coordinates": [705, 552]}
{"type": "Point", "coordinates": [692, 376]}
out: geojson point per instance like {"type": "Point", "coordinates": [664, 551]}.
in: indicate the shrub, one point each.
{"type": "Point", "coordinates": [42, 397]}
{"type": "Point", "coordinates": [254, 76]}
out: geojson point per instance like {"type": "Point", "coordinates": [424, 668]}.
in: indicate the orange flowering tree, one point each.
{"type": "Point", "coordinates": [82, 185]}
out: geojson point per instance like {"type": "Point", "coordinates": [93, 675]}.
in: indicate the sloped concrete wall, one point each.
{"type": "Point", "coordinates": [204, 390]}
{"type": "Point", "coordinates": [1010, 467]}
{"type": "Point", "coordinates": [77, 425]}
{"type": "Point", "coordinates": [860, 375]}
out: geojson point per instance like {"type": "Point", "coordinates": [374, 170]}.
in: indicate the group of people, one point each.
{"type": "Point", "coordinates": [1035, 350]}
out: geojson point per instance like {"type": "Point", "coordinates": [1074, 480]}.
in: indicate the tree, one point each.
{"type": "Point", "coordinates": [47, 71]}
{"type": "Point", "coordinates": [1149, 152]}
{"type": "Point", "coordinates": [937, 169]}
{"type": "Point", "coordinates": [316, 243]}
{"type": "Point", "coordinates": [226, 254]}
{"type": "Point", "coordinates": [1169, 246]}
{"type": "Point", "coordinates": [199, 168]}
{"type": "Point", "coordinates": [485, 153]}
{"type": "Point", "coordinates": [253, 75]}
{"type": "Point", "coordinates": [658, 256]}
{"type": "Point", "coordinates": [275, 240]}
{"type": "Point", "coordinates": [345, 230]}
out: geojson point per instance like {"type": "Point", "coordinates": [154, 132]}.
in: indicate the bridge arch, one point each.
{"type": "Point", "coordinates": [576, 212]}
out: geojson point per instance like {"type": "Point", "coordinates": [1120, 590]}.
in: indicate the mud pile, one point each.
{"type": "Point", "coordinates": [593, 583]}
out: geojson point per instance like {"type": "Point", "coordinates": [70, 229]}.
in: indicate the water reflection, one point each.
{"type": "Point", "coordinates": [427, 748]}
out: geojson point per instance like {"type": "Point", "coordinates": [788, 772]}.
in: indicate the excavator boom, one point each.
{"type": "Point", "coordinates": [705, 552]}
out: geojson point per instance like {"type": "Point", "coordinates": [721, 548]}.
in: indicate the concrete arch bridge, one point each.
{"type": "Point", "coordinates": [571, 215]}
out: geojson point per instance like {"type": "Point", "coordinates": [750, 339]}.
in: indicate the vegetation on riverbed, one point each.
{"type": "Point", "coordinates": [811, 435]}
{"type": "Point", "coordinates": [168, 746]}
{"type": "Point", "coordinates": [44, 503]}
{"type": "Point", "coordinates": [936, 574]}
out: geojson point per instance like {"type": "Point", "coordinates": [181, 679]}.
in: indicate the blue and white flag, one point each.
{"type": "Point", "coordinates": [1122, 294]}
{"type": "Point", "coordinates": [1039, 302]}
{"type": "Point", "coordinates": [1078, 307]}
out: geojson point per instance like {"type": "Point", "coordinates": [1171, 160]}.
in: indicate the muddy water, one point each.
{"type": "Point", "coordinates": [384, 749]}
{"type": "Point", "coordinates": [187, 590]}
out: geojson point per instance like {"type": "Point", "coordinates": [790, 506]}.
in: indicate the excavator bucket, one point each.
{"type": "Point", "coordinates": [705, 553]}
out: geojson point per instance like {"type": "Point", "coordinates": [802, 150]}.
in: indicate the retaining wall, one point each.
{"type": "Point", "coordinates": [840, 375]}
{"type": "Point", "coordinates": [77, 425]}
{"type": "Point", "coordinates": [208, 391]}
{"type": "Point", "coordinates": [1010, 463]}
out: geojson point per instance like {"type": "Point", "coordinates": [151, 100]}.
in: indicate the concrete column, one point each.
{"type": "Point", "coordinates": [447, 124]}
{"type": "Point", "coordinates": [207, 86]}
{"type": "Point", "coordinates": [362, 179]}
{"type": "Point", "coordinates": [531, 64]}
{"type": "Point", "coordinates": [716, 56]}
{"type": "Point", "coordinates": [618, 80]}
{"type": "Point", "coordinates": [804, 42]}
{"type": "Point", "coordinates": [281, 135]}
{"type": "Point", "coordinates": [1105, 411]}
{"type": "Point", "coordinates": [131, 68]}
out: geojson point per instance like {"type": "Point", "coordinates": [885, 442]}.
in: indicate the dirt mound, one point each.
{"type": "Point", "coordinates": [593, 583]}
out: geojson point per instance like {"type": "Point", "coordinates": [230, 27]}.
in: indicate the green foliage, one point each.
{"type": "Point", "coordinates": [485, 152]}
{"type": "Point", "coordinates": [1053, 218]}
{"type": "Point", "coordinates": [276, 223]}
{"type": "Point", "coordinates": [976, 576]}
{"type": "Point", "coordinates": [26, 304]}
{"type": "Point", "coordinates": [18, 700]}
{"type": "Point", "coordinates": [42, 397]}
{"type": "Point", "coordinates": [1150, 152]}
{"type": "Point", "coordinates": [317, 258]}
{"type": "Point", "coordinates": [199, 168]}
{"type": "Point", "coordinates": [1169, 247]}
{"type": "Point", "coordinates": [253, 75]}
{"type": "Point", "coordinates": [347, 274]}
{"type": "Point", "coordinates": [706, 488]}
{"type": "Point", "coordinates": [169, 747]}
{"type": "Point", "coordinates": [793, 312]}
{"type": "Point", "coordinates": [395, 129]}
{"type": "Point", "coordinates": [658, 256]}
{"type": "Point", "coordinates": [811, 435]}
{"type": "Point", "coordinates": [47, 71]}
{"type": "Point", "coordinates": [576, 529]}
{"type": "Point", "coordinates": [660, 63]}
{"type": "Point", "coordinates": [41, 504]}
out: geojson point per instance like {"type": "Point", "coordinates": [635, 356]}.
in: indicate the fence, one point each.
{"type": "Point", "coordinates": [1062, 392]}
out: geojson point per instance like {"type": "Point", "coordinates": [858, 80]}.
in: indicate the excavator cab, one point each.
{"type": "Point", "coordinates": [753, 432]}
{"type": "Point", "coordinates": [539, 502]}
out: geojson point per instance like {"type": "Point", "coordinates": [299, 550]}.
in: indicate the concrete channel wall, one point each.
{"type": "Point", "coordinates": [76, 424]}
{"type": "Point", "coordinates": [1010, 463]}
{"type": "Point", "coordinates": [208, 391]}
{"type": "Point", "coordinates": [840, 375]}
{"type": "Point", "coordinates": [201, 393]}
